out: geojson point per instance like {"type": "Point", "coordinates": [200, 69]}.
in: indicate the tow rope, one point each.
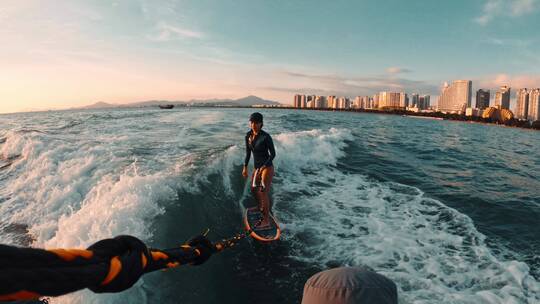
{"type": "Point", "coordinates": [110, 265]}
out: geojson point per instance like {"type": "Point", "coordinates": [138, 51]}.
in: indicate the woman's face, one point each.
{"type": "Point", "coordinates": [255, 126]}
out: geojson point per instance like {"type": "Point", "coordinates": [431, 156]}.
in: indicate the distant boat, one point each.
{"type": "Point", "coordinates": [166, 106]}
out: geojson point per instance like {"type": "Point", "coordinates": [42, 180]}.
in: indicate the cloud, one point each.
{"type": "Point", "coordinates": [321, 84]}
{"type": "Point", "coordinates": [305, 90]}
{"type": "Point", "coordinates": [521, 7]}
{"type": "Point", "coordinates": [525, 50]}
{"type": "Point", "coordinates": [506, 8]}
{"type": "Point", "coordinates": [161, 10]}
{"type": "Point", "coordinates": [495, 41]}
{"type": "Point", "coordinates": [519, 43]}
{"type": "Point", "coordinates": [314, 76]}
{"type": "Point", "coordinates": [332, 78]}
{"type": "Point", "coordinates": [169, 20]}
{"type": "Point", "coordinates": [514, 81]}
{"type": "Point", "coordinates": [397, 70]}
{"type": "Point", "coordinates": [168, 32]}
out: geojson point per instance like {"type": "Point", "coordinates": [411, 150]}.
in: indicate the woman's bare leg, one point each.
{"type": "Point", "coordinates": [255, 180]}
{"type": "Point", "coordinates": [264, 198]}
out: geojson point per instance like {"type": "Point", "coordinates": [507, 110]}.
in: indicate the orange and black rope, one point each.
{"type": "Point", "coordinates": [110, 265]}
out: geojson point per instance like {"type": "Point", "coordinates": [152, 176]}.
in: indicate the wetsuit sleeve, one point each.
{"type": "Point", "coordinates": [248, 152]}
{"type": "Point", "coordinates": [270, 145]}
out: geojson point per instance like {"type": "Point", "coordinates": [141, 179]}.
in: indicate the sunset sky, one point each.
{"type": "Point", "coordinates": [66, 53]}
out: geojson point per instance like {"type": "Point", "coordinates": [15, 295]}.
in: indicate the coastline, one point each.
{"type": "Point", "coordinates": [431, 115]}
{"type": "Point", "coordinates": [424, 117]}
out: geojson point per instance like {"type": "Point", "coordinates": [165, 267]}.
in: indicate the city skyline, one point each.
{"type": "Point", "coordinates": [455, 104]}
{"type": "Point", "coordinates": [75, 53]}
{"type": "Point", "coordinates": [455, 98]}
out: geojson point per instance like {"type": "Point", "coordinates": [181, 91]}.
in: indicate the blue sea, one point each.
{"type": "Point", "coordinates": [450, 211]}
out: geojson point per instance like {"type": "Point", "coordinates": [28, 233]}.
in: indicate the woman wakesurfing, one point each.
{"type": "Point", "coordinates": [261, 145]}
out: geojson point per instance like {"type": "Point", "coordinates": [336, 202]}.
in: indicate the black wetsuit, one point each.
{"type": "Point", "coordinates": [262, 147]}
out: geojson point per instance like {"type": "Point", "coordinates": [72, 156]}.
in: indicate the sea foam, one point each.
{"type": "Point", "coordinates": [434, 253]}
{"type": "Point", "coordinates": [68, 192]}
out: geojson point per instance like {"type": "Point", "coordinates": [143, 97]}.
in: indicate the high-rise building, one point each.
{"type": "Point", "coordinates": [331, 101]}
{"type": "Point", "coordinates": [337, 102]}
{"type": "Point", "coordinates": [482, 99]}
{"type": "Point", "coordinates": [445, 94]}
{"type": "Point", "coordinates": [423, 102]}
{"type": "Point", "coordinates": [375, 103]}
{"type": "Point", "coordinates": [357, 103]}
{"type": "Point", "coordinates": [534, 105]}
{"type": "Point", "coordinates": [502, 98]}
{"type": "Point", "coordinates": [366, 102]}
{"type": "Point", "coordinates": [522, 103]}
{"type": "Point", "coordinates": [313, 101]}
{"type": "Point", "coordinates": [455, 98]}
{"type": "Point", "coordinates": [403, 100]}
{"type": "Point", "coordinates": [320, 102]}
{"type": "Point", "coordinates": [298, 100]}
{"type": "Point", "coordinates": [395, 99]}
{"type": "Point", "coordinates": [343, 103]}
{"type": "Point", "coordinates": [414, 100]}
{"type": "Point", "coordinates": [383, 97]}
{"type": "Point", "coordinates": [303, 101]}
{"type": "Point", "coordinates": [310, 101]}
{"type": "Point", "coordinates": [391, 100]}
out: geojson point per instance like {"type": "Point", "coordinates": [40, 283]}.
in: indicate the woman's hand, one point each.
{"type": "Point", "coordinates": [245, 171]}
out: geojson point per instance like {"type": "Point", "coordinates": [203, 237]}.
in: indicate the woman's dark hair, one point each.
{"type": "Point", "coordinates": [256, 117]}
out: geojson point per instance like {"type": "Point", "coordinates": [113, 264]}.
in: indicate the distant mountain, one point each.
{"type": "Point", "coordinates": [254, 100]}
{"type": "Point", "coordinates": [100, 105]}
{"type": "Point", "coordinates": [247, 101]}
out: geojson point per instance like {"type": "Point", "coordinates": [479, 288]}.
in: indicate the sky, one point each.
{"type": "Point", "coordinates": [70, 53]}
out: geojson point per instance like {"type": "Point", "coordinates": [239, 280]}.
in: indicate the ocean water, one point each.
{"type": "Point", "coordinates": [450, 211]}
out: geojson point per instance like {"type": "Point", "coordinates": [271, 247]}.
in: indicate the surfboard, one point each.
{"type": "Point", "coordinates": [266, 234]}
